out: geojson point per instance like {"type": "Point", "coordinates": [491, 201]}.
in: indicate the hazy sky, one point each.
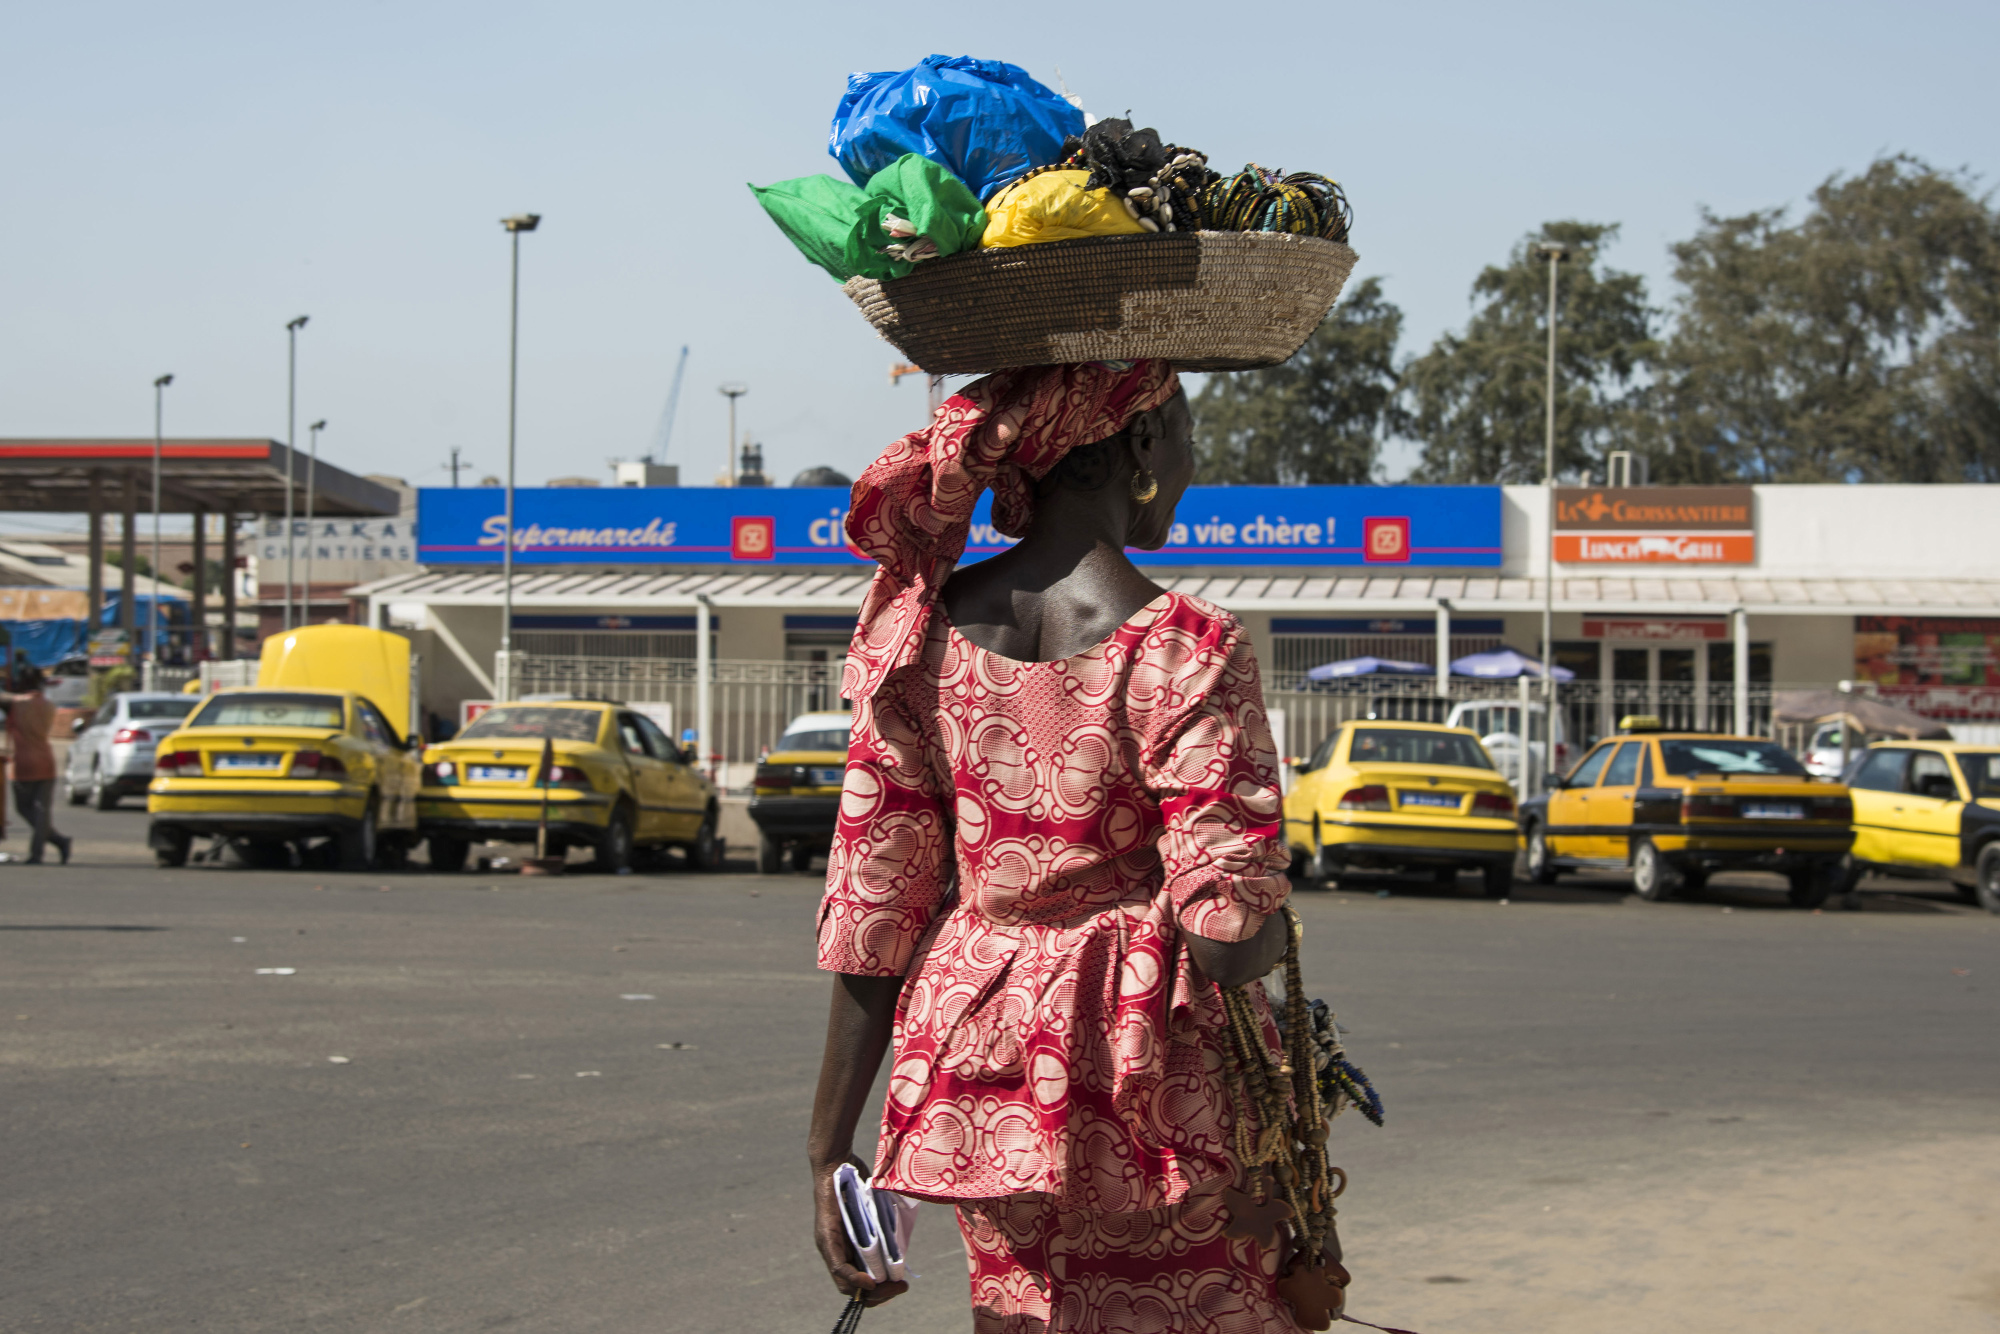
{"type": "Point", "coordinates": [181, 180]}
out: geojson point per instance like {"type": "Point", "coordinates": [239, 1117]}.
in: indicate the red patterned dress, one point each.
{"type": "Point", "coordinates": [1025, 843]}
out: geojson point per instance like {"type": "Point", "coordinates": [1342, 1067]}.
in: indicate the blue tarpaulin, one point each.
{"type": "Point", "coordinates": [48, 641]}
{"type": "Point", "coordinates": [44, 643]}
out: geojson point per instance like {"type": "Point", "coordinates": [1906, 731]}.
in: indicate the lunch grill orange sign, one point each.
{"type": "Point", "coordinates": [1671, 525]}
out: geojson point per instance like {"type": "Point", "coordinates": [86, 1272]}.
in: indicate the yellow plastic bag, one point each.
{"type": "Point", "coordinates": [1054, 206]}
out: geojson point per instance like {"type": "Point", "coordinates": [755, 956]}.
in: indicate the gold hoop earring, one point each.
{"type": "Point", "coordinates": [1144, 487]}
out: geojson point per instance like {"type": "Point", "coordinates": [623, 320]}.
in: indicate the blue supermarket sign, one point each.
{"type": "Point", "coordinates": [1453, 526]}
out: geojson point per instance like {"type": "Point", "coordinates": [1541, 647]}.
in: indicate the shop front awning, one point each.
{"type": "Point", "coordinates": [242, 476]}
{"type": "Point", "coordinates": [1242, 593]}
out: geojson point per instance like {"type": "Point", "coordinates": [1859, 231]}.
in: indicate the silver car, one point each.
{"type": "Point", "coordinates": [112, 755]}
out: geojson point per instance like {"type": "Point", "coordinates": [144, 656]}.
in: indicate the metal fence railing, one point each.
{"type": "Point", "coordinates": [164, 676]}
{"type": "Point", "coordinates": [749, 701]}
{"type": "Point", "coordinates": [1588, 709]}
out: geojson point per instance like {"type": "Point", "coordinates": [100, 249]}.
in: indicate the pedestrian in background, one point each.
{"type": "Point", "coordinates": [30, 715]}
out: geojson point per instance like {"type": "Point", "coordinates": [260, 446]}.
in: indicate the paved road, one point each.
{"type": "Point", "coordinates": [580, 1104]}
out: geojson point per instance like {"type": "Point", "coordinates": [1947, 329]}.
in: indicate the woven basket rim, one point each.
{"type": "Point", "coordinates": [1049, 249]}
{"type": "Point", "coordinates": [1206, 300]}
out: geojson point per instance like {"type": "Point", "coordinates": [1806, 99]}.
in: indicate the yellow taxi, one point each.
{"type": "Point", "coordinates": [1929, 809]}
{"type": "Point", "coordinates": [278, 767]}
{"type": "Point", "coordinates": [1674, 807]}
{"type": "Point", "coordinates": [1402, 796]}
{"type": "Point", "coordinates": [617, 785]}
{"type": "Point", "coordinates": [795, 795]}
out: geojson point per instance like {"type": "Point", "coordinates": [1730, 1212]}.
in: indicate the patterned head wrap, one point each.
{"type": "Point", "coordinates": [912, 508]}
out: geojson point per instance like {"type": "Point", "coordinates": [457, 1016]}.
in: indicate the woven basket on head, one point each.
{"type": "Point", "coordinates": [1207, 301]}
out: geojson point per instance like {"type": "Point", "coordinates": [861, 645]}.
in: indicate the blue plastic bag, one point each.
{"type": "Point", "coordinates": [983, 120]}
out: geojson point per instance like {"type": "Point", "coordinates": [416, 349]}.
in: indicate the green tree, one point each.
{"type": "Point", "coordinates": [1321, 416]}
{"type": "Point", "coordinates": [1860, 344]}
{"type": "Point", "coordinates": [142, 565]}
{"type": "Point", "coordinates": [1479, 396]}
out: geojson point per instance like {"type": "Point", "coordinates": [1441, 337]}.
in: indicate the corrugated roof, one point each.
{"type": "Point", "coordinates": [1246, 593]}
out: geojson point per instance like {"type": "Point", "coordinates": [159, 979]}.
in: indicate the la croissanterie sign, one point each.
{"type": "Point", "coordinates": [1671, 525]}
{"type": "Point", "coordinates": [1379, 526]}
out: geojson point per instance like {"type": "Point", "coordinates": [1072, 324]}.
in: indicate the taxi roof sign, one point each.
{"type": "Point", "coordinates": [1640, 722]}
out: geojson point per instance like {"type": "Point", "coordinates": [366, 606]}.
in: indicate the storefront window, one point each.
{"type": "Point", "coordinates": [1580, 656]}
{"type": "Point", "coordinates": [1722, 663]}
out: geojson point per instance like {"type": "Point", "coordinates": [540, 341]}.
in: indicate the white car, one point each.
{"type": "Point", "coordinates": [112, 756]}
{"type": "Point", "coordinates": [1822, 757]}
{"type": "Point", "coordinates": [1498, 725]}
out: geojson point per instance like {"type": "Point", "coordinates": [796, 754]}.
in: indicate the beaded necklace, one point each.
{"type": "Point", "coordinates": [1281, 1091]}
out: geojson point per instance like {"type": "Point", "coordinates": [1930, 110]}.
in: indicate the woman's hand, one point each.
{"type": "Point", "coordinates": [859, 1020]}
{"type": "Point", "coordinates": [834, 1249]}
{"type": "Point", "coordinates": [1239, 963]}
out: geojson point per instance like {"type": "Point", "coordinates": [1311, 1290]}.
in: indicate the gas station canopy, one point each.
{"type": "Point", "coordinates": [241, 476]}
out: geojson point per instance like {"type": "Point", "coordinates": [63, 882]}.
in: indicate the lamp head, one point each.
{"type": "Point", "coordinates": [163, 382]}
{"type": "Point", "coordinates": [1555, 250]}
{"type": "Point", "coordinates": [732, 388]}
{"type": "Point", "coordinates": [319, 425]}
{"type": "Point", "coordinates": [295, 325]}
{"type": "Point", "coordinates": [522, 222]}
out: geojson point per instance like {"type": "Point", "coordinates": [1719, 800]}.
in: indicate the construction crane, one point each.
{"type": "Point", "coordinates": [663, 434]}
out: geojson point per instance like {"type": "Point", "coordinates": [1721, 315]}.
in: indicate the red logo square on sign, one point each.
{"type": "Point", "coordinates": [1385, 539]}
{"type": "Point", "coordinates": [753, 538]}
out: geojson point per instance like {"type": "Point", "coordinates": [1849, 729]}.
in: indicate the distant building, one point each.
{"type": "Point", "coordinates": [644, 472]}
{"type": "Point", "coordinates": [344, 552]}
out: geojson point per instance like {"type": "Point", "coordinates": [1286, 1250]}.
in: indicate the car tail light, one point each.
{"type": "Point", "coordinates": [1707, 806]}
{"type": "Point", "coordinates": [780, 775]}
{"type": "Point", "coordinates": [126, 736]}
{"type": "Point", "coordinates": [445, 772]}
{"type": "Point", "coordinates": [567, 775]}
{"type": "Point", "coordinates": [1833, 808]}
{"type": "Point", "coordinates": [312, 764]}
{"type": "Point", "coordinates": [179, 764]}
{"type": "Point", "coordinates": [1494, 804]}
{"type": "Point", "coordinates": [1373, 797]}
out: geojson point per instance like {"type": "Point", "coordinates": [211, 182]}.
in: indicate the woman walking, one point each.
{"type": "Point", "coordinates": [30, 715]}
{"type": "Point", "coordinates": [1059, 832]}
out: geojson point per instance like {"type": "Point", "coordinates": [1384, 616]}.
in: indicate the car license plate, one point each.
{"type": "Point", "coordinates": [1442, 800]}
{"type": "Point", "coordinates": [246, 763]}
{"type": "Point", "coordinates": [497, 773]}
{"type": "Point", "coordinates": [1773, 810]}
{"type": "Point", "coordinates": [829, 777]}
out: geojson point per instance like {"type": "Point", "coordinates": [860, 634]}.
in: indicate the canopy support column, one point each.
{"type": "Point", "coordinates": [702, 667]}
{"type": "Point", "coordinates": [1742, 664]}
{"type": "Point", "coordinates": [228, 650]}
{"type": "Point", "coordinates": [1444, 648]}
{"type": "Point", "coordinates": [94, 603]}
{"type": "Point", "coordinates": [128, 572]}
{"type": "Point", "coordinates": [198, 646]}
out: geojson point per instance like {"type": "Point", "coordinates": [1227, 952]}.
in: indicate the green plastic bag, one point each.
{"type": "Point", "coordinates": [872, 231]}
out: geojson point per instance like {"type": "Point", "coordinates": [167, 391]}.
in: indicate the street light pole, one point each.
{"type": "Point", "coordinates": [153, 617]}
{"type": "Point", "coordinates": [731, 391]}
{"type": "Point", "coordinates": [503, 678]}
{"type": "Point", "coordinates": [312, 468]}
{"type": "Point", "coordinates": [292, 328]}
{"type": "Point", "coordinates": [1556, 253]}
